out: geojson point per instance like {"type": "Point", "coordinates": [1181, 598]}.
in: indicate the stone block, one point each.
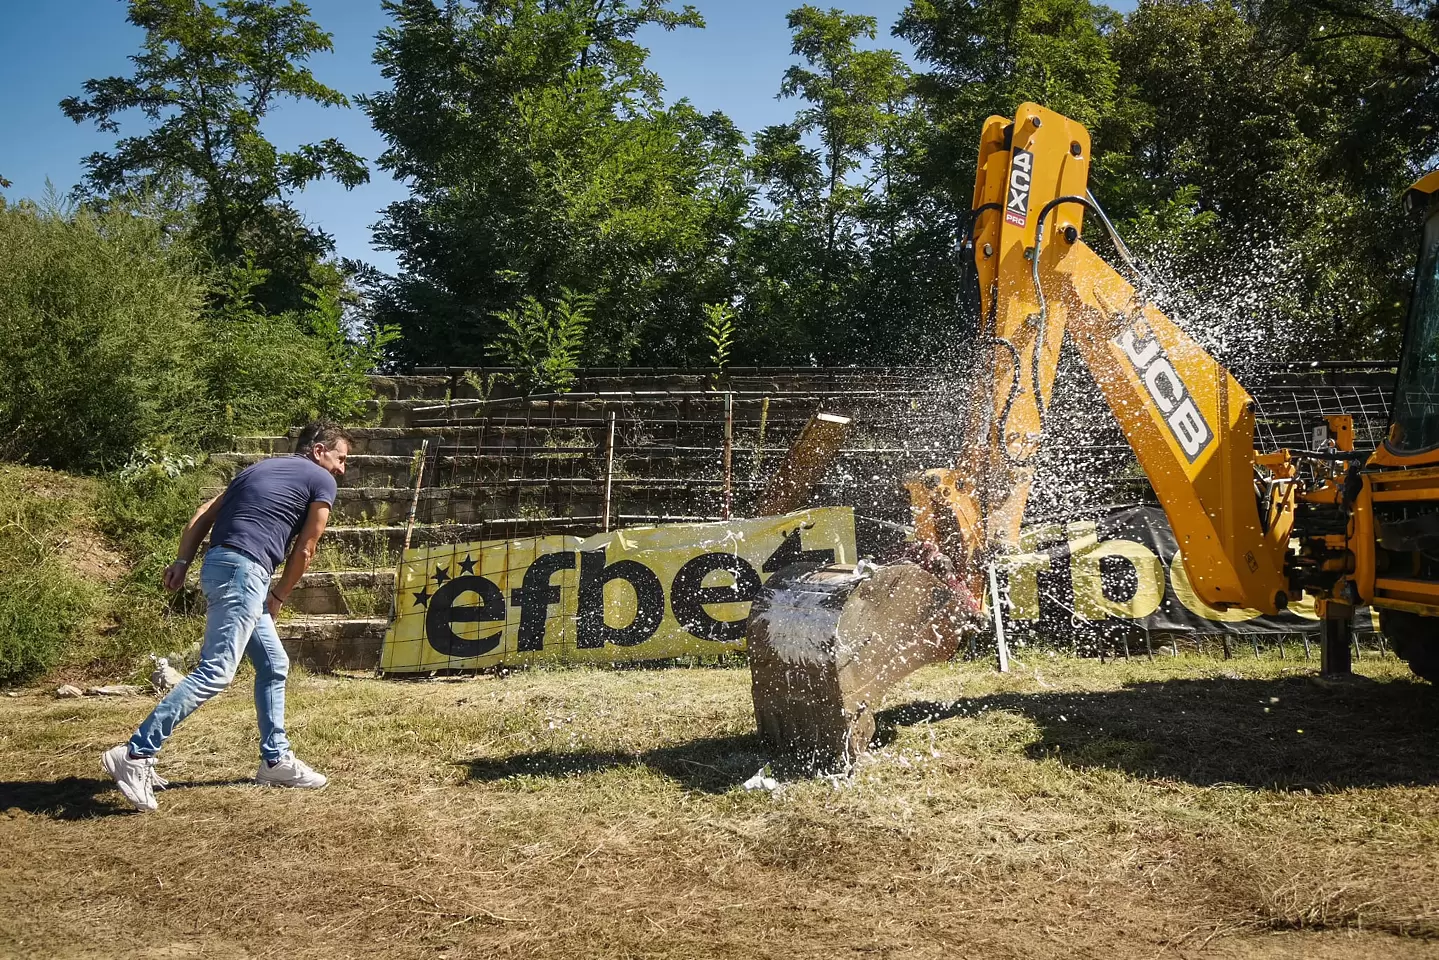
{"type": "Point", "coordinates": [825, 643]}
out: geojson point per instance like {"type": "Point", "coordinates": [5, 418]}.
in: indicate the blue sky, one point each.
{"type": "Point", "coordinates": [49, 48]}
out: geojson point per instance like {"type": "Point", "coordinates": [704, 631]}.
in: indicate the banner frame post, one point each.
{"type": "Point", "coordinates": [609, 474]}
{"type": "Point", "coordinates": [997, 616]}
{"type": "Point", "coordinates": [415, 496]}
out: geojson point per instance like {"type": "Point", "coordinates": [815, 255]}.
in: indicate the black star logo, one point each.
{"type": "Point", "coordinates": [422, 599]}
{"type": "Point", "coordinates": [441, 574]}
{"type": "Point", "coordinates": [467, 566]}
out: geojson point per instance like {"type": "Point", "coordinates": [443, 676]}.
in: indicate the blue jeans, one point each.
{"type": "Point", "coordinates": [236, 624]}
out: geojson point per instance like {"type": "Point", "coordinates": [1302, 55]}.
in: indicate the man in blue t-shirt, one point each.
{"type": "Point", "coordinates": [251, 525]}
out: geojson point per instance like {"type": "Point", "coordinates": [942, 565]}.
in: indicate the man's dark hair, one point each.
{"type": "Point", "coordinates": [321, 431]}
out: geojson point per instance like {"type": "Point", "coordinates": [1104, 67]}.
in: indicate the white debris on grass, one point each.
{"type": "Point", "coordinates": [114, 690]}
{"type": "Point", "coordinates": [164, 677]}
{"type": "Point", "coordinates": [763, 780]}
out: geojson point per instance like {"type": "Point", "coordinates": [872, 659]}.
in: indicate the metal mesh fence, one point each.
{"type": "Point", "coordinates": [636, 447]}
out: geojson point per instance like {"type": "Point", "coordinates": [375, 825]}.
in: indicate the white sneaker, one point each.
{"type": "Point", "coordinates": [291, 771]}
{"type": "Point", "coordinates": [135, 778]}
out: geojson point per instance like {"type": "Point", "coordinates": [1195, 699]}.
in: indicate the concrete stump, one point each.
{"type": "Point", "coordinates": [826, 643]}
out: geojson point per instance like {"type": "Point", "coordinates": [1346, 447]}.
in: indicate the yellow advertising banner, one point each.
{"type": "Point", "coordinates": [653, 593]}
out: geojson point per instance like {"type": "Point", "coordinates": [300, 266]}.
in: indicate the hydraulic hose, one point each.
{"type": "Point", "coordinates": [1042, 321]}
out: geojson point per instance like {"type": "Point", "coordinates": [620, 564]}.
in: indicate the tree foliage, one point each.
{"type": "Point", "coordinates": [540, 158]}
{"type": "Point", "coordinates": [1255, 152]}
{"type": "Point", "coordinates": [561, 212]}
{"type": "Point", "coordinates": [205, 78]}
{"type": "Point", "coordinates": [814, 283]}
{"type": "Point", "coordinates": [1287, 131]}
{"type": "Point", "coordinates": [543, 343]}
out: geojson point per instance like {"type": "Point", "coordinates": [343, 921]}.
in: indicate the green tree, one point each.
{"type": "Point", "coordinates": [1291, 129]}
{"type": "Point", "coordinates": [205, 78]}
{"type": "Point", "coordinates": [829, 179]}
{"type": "Point", "coordinates": [541, 157]}
{"type": "Point", "coordinates": [1253, 152]}
{"type": "Point", "coordinates": [986, 57]}
{"type": "Point", "coordinates": [99, 337]}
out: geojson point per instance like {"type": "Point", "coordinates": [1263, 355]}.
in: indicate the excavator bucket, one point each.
{"type": "Point", "coordinates": [826, 642]}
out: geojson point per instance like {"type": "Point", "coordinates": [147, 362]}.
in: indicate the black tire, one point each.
{"type": "Point", "coordinates": [1415, 640]}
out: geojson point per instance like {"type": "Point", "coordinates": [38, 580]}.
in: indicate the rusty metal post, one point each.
{"type": "Point", "coordinates": [415, 497]}
{"type": "Point", "coordinates": [728, 454]}
{"type": "Point", "coordinates": [1336, 629]}
{"type": "Point", "coordinates": [609, 473]}
{"type": "Point", "coordinates": [409, 526]}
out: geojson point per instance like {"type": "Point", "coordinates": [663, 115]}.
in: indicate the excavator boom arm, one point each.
{"type": "Point", "coordinates": [1189, 422]}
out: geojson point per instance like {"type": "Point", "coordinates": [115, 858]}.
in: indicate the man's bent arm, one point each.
{"type": "Point", "coordinates": [195, 532]}
{"type": "Point", "coordinates": [303, 551]}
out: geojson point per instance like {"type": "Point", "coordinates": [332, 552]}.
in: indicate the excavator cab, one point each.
{"type": "Point", "coordinates": [1413, 436]}
{"type": "Point", "coordinates": [1396, 512]}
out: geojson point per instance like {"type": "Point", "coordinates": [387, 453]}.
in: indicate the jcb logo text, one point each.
{"type": "Point", "coordinates": [1167, 390]}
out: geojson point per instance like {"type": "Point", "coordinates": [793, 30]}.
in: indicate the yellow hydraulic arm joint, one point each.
{"type": "Point", "coordinates": [1190, 423]}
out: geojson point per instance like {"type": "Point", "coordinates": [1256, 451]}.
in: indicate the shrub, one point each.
{"type": "Point", "coordinates": [44, 604]}
{"type": "Point", "coordinates": [143, 511]}
{"type": "Point", "coordinates": [111, 336]}
{"type": "Point", "coordinates": [543, 343]}
{"type": "Point", "coordinates": [100, 339]}
{"type": "Point", "coordinates": [270, 372]}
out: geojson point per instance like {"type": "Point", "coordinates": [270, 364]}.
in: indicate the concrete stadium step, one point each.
{"type": "Point", "coordinates": [484, 502]}
{"type": "Point", "coordinates": [535, 435]}
{"type": "Point", "coordinates": [589, 410]}
{"type": "Point", "coordinates": [534, 440]}
{"type": "Point", "coordinates": [381, 544]}
{"type": "Point", "coordinates": [598, 379]}
{"type": "Point", "coordinates": [361, 470]}
{"type": "Point", "coordinates": [498, 464]}
{"type": "Point", "coordinates": [411, 387]}
{"type": "Point", "coordinates": [401, 413]}
{"type": "Point", "coordinates": [333, 643]}
{"type": "Point", "coordinates": [593, 412]}
{"type": "Point", "coordinates": [350, 593]}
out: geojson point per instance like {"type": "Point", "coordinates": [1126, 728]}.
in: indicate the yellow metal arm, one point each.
{"type": "Point", "coordinates": [1189, 421]}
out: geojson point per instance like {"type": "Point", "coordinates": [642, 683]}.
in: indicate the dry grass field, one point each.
{"type": "Point", "coordinates": [1185, 808]}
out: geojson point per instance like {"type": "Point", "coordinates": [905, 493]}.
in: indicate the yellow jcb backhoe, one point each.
{"type": "Point", "coordinates": [1256, 530]}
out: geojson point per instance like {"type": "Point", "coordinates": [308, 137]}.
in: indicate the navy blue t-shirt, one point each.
{"type": "Point", "coordinates": [266, 505]}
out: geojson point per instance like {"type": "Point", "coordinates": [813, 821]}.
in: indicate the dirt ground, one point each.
{"type": "Point", "coordinates": [1185, 808]}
